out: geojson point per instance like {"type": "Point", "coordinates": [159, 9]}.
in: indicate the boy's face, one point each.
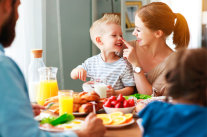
{"type": "Point", "coordinates": [111, 39]}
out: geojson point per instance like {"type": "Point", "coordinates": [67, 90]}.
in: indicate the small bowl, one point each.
{"type": "Point", "coordinates": [109, 110]}
{"type": "Point", "coordinates": [88, 86]}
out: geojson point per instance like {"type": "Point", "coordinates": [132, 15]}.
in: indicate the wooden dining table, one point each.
{"type": "Point", "coordinates": [132, 130]}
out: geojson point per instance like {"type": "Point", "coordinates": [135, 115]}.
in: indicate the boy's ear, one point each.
{"type": "Point", "coordinates": [158, 33]}
{"type": "Point", "coordinates": [98, 40]}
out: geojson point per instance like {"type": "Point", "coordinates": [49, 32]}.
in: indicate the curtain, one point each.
{"type": "Point", "coordinates": [28, 33]}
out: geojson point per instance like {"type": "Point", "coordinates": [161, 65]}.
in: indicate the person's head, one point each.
{"type": "Point", "coordinates": [159, 19]}
{"type": "Point", "coordinates": [5, 11]}
{"type": "Point", "coordinates": [186, 76]}
{"type": "Point", "coordinates": [8, 28]}
{"type": "Point", "coordinates": [106, 33]}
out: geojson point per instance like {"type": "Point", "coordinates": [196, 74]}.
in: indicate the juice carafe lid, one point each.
{"type": "Point", "coordinates": [37, 53]}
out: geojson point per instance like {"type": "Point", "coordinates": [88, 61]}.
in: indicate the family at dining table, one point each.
{"type": "Point", "coordinates": [147, 64]}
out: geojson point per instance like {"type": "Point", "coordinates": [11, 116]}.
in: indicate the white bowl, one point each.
{"type": "Point", "coordinates": [109, 110]}
{"type": "Point", "coordinates": [88, 86]}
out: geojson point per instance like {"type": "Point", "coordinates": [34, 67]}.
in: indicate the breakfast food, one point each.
{"type": "Point", "coordinates": [116, 118]}
{"type": "Point", "coordinates": [77, 99]}
{"type": "Point", "coordinates": [76, 107]}
{"type": "Point", "coordinates": [119, 102]}
{"type": "Point", "coordinates": [81, 102]}
{"type": "Point", "coordinates": [141, 103]}
{"type": "Point", "coordinates": [74, 125]}
{"type": "Point", "coordinates": [88, 107]}
{"type": "Point", "coordinates": [90, 96]}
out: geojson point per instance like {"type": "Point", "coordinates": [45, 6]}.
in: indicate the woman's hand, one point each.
{"type": "Point", "coordinates": [36, 109]}
{"type": "Point", "coordinates": [93, 127]}
{"type": "Point", "coordinates": [110, 91]}
{"type": "Point", "coordinates": [130, 54]}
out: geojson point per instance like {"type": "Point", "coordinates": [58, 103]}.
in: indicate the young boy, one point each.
{"type": "Point", "coordinates": [106, 34]}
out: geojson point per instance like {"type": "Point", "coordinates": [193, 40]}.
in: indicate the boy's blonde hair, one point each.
{"type": "Point", "coordinates": [97, 28]}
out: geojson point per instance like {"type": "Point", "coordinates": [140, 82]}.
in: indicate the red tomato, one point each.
{"type": "Point", "coordinates": [114, 102]}
{"type": "Point", "coordinates": [120, 98]}
{"type": "Point", "coordinates": [119, 105]}
{"type": "Point", "coordinates": [126, 104]}
{"type": "Point", "coordinates": [107, 103]}
{"type": "Point", "coordinates": [112, 98]}
{"type": "Point", "coordinates": [131, 102]}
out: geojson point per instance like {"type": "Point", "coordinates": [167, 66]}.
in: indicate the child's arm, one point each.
{"type": "Point", "coordinates": [78, 73]}
{"type": "Point", "coordinates": [125, 91]}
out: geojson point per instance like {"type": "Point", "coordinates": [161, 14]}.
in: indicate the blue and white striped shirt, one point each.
{"type": "Point", "coordinates": [119, 74]}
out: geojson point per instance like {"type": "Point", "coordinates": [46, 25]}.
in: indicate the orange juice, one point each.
{"type": "Point", "coordinates": [47, 89]}
{"type": "Point", "coordinates": [65, 104]}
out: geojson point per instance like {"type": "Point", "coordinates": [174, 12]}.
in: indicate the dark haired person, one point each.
{"type": "Point", "coordinates": [149, 53]}
{"type": "Point", "coordinates": [16, 112]}
{"type": "Point", "coordinates": [186, 114]}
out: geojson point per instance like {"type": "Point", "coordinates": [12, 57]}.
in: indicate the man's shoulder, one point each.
{"type": "Point", "coordinates": [6, 63]}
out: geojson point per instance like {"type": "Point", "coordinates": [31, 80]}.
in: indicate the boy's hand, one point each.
{"type": "Point", "coordinates": [79, 73]}
{"type": "Point", "coordinates": [110, 91]}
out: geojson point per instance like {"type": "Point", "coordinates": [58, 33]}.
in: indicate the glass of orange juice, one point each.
{"type": "Point", "coordinates": [65, 101]}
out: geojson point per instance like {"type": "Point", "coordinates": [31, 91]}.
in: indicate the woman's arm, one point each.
{"type": "Point", "coordinates": [142, 84]}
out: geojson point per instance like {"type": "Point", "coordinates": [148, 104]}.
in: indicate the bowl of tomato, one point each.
{"type": "Point", "coordinates": [119, 104]}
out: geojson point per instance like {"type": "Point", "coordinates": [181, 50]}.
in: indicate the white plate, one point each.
{"type": "Point", "coordinates": [122, 125]}
{"type": "Point", "coordinates": [139, 123]}
{"type": "Point", "coordinates": [42, 115]}
{"type": "Point", "coordinates": [52, 130]}
{"type": "Point", "coordinates": [83, 114]}
{"type": "Point", "coordinates": [79, 114]}
{"type": "Point", "coordinates": [61, 127]}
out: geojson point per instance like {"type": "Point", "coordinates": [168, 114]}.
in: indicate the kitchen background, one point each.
{"type": "Point", "coordinates": [61, 28]}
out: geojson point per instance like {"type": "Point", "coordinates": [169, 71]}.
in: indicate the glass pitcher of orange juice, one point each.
{"type": "Point", "coordinates": [48, 86]}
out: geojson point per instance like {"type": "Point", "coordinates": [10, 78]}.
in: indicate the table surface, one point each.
{"type": "Point", "coordinates": [130, 131]}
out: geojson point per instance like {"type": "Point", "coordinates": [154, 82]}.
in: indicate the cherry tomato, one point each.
{"type": "Point", "coordinates": [131, 102]}
{"type": "Point", "coordinates": [119, 105]}
{"type": "Point", "coordinates": [112, 98]}
{"type": "Point", "coordinates": [120, 98]}
{"type": "Point", "coordinates": [126, 104]}
{"type": "Point", "coordinates": [114, 102]}
{"type": "Point", "coordinates": [107, 103]}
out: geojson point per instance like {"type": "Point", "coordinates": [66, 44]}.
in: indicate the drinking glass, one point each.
{"type": "Point", "coordinates": [65, 101]}
{"type": "Point", "coordinates": [100, 87]}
